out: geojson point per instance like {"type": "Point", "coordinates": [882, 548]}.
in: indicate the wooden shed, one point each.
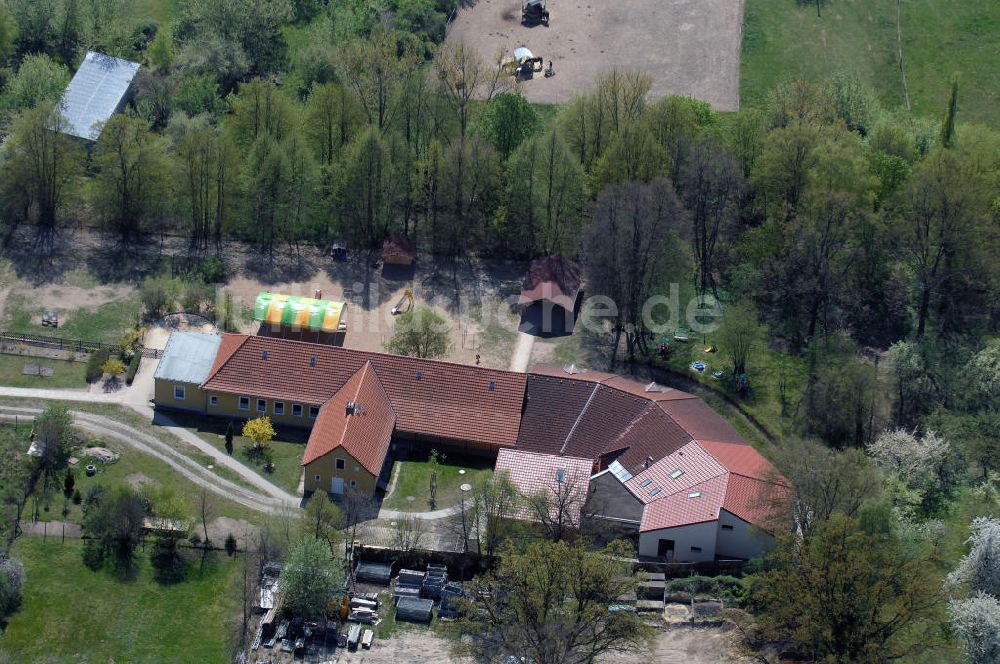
{"type": "Point", "coordinates": [399, 250]}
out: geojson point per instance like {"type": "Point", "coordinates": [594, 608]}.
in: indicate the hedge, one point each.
{"type": "Point", "coordinates": [133, 367]}
{"type": "Point", "coordinates": [95, 365]}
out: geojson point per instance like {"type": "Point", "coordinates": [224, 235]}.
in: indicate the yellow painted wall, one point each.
{"type": "Point", "coordinates": [228, 405]}
{"type": "Point", "coordinates": [194, 398]}
{"type": "Point", "coordinates": [326, 468]}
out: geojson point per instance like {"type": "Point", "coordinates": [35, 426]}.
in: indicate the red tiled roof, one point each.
{"type": "Point", "coordinates": [606, 415]}
{"type": "Point", "coordinates": [684, 509]}
{"type": "Point", "coordinates": [363, 431]}
{"type": "Point", "coordinates": [228, 346]}
{"type": "Point", "coordinates": [532, 472]}
{"type": "Point", "coordinates": [753, 500]}
{"type": "Point", "coordinates": [699, 420]}
{"type": "Point", "coordinates": [741, 458]}
{"type": "Point", "coordinates": [650, 437]}
{"type": "Point", "coordinates": [697, 465]}
{"type": "Point", "coordinates": [551, 408]}
{"type": "Point", "coordinates": [430, 398]}
{"type": "Point", "coordinates": [553, 278]}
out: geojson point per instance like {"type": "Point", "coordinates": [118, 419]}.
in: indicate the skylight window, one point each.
{"type": "Point", "coordinates": [656, 491]}
{"type": "Point", "coordinates": [677, 473]}
{"type": "Point", "coordinates": [645, 483]}
{"type": "Point", "coordinates": [694, 494]}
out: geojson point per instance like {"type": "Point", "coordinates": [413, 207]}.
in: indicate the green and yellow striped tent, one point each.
{"type": "Point", "coordinates": [305, 313]}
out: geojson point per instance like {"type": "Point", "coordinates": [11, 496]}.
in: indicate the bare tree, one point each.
{"type": "Point", "coordinates": [206, 508]}
{"type": "Point", "coordinates": [356, 507]}
{"type": "Point", "coordinates": [496, 501]}
{"type": "Point", "coordinates": [408, 534]}
{"type": "Point", "coordinates": [559, 506]}
{"type": "Point", "coordinates": [463, 78]}
{"type": "Point", "coordinates": [624, 247]}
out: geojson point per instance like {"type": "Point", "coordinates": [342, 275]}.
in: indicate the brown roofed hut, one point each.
{"type": "Point", "coordinates": [550, 297]}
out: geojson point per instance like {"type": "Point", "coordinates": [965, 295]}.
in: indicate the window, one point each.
{"type": "Point", "coordinates": [317, 478]}
{"type": "Point", "coordinates": [724, 527]}
{"type": "Point", "coordinates": [695, 549]}
{"type": "Point", "coordinates": [341, 464]}
{"type": "Point", "coordinates": [296, 410]}
{"type": "Point", "coordinates": [645, 483]}
{"type": "Point", "coordinates": [677, 473]}
{"type": "Point", "coordinates": [179, 392]}
{"type": "Point", "coordinates": [354, 484]}
{"type": "Point", "coordinates": [244, 403]}
{"type": "Point", "coordinates": [694, 494]}
{"type": "Point", "coordinates": [261, 405]}
{"type": "Point", "coordinates": [656, 491]}
{"type": "Point", "coordinates": [313, 411]}
{"type": "Point", "coordinates": [279, 407]}
{"type": "Point", "coordinates": [213, 401]}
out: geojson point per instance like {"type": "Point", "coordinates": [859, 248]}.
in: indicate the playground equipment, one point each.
{"type": "Point", "coordinates": [534, 12]}
{"type": "Point", "coordinates": [524, 64]}
{"type": "Point", "coordinates": [407, 298]}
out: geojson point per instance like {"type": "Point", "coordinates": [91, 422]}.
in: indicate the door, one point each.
{"type": "Point", "coordinates": [337, 486]}
{"type": "Point", "coordinates": [665, 549]}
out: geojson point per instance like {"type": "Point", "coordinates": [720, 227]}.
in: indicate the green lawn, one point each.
{"type": "Point", "coordinates": [107, 322]}
{"type": "Point", "coordinates": [413, 478]}
{"type": "Point", "coordinates": [64, 374]}
{"type": "Point", "coordinates": [941, 39]}
{"type": "Point", "coordinates": [286, 450]}
{"type": "Point", "coordinates": [71, 613]}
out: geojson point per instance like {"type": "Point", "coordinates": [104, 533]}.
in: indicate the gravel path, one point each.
{"type": "Point", "coordinates": [149, 444]}
{"type": "Point", "coordinates": [522, 352]}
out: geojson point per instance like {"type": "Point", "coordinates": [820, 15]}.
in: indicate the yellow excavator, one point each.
{"type": "Point", "coordinates": [524, 64]}
{"type": "Point", "coordinates": [406, 299]}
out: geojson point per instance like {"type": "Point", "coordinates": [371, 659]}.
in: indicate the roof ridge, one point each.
{"type": "Point", "coordinates": [674, 419]}
{"type": "Point", "coordinates": [631, 425]}
{"type": "Point", "coordinates": [381, 386]}
{"type": "Point", "coordinates": [562, 450]}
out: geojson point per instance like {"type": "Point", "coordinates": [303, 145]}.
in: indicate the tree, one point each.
{"type": "Point", "coordinates": [322, 519]}
{"type": "Point", "coordinates": [113, 524]}
{"type": "Point", "coordinates": [113, 367]}
{"type": "Point", "coordinates": [976, 622]}
{"type": "Point", "coordinates": [53, 436]}
{"type": "Point", "coordinates": [547, 197]}
{"type": "Point", "coordinates": [69, 482]}
{"type": "Point", "coordinates": [229, 438]}
{"type": "Point", "coordinates": [420, 332]}
{"type": "Point", "coordinates": [39, 80]}
{"type": "Point", "coordinates": [550, 605]}
{"type": "Point", "coordinates": [711, 184]}
{"type": "Point", "coordinates": [310, 578]}
{"type": "Point", "coordinates": [740, 337]}
{"type": "Point", "coordinates": [260, 432]}
{"type": "Point", "coordinates": [463, 77]}
{"type": "Point", "coordinates": [408, 534]}
{"type": "Point", "coordinates": [161, 51]}
{"type": "Point", "coordinates": [369, 190]}
{"type": "Point", "coordinates": [624, 247]}
{"type": "Point", "coordinates": [432, 480]}
{"type": "Point", "coordinates": [11, 582]}
{"type": "Point", "coordinates": [129, 184]}
{"type": "Point", "coordinates": [206, 508]}
{"type": "Point", "coordinates": [558, 506]}
{"type": "Point", "coordinates": [507, 121]}
{"type": "Point", "coordinates": [980, 568]}
{"type": "Point", "coordinates": [41, 167]}
{"type": "Point", "coordinates": [8, 34]}
{"type": "Point", "coordinates": [923, 464]}
{"type": "Point", "coordinates": [248, 30]}
{"type": "Point", "coordinates": [155, 296]}
{"type": "Point", "coordinates": [373, 68]}
{"type": "Point", "coordinates": [258, 109]}
{"type": "Point", "coordinates": [495, 500]}
{"type": "Point", "coordinates": [948, 126]}
{"type": "Point", "coordinates": [330, 120]}
{"type": "Point", "coordinates": [844, 595]}
{"type": "Point", "coordinates": [822, 482]}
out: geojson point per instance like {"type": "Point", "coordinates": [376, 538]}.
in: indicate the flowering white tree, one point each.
{"type": "Point", "coordinates": [11, 580]}
{"type": "Point", "coordinates": [976, 621]}
{"type": "Point", "coordinates": [918, 461]}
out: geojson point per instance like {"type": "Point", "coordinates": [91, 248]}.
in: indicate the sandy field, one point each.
{"type": "Point", "coordinates": [689, 47]}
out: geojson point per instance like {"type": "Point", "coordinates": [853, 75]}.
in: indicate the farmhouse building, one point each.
{"type": "Point", "coordinates": [654, 461]}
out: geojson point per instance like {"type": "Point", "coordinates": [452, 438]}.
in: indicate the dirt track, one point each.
{"type": "Point", "coordinates": [690, 47]}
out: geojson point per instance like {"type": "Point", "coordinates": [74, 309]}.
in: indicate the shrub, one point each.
{"type": "Point", "coordinates": [95, 365]}
{"type": "Point", "coordinates": [213, 270]}
{"type": "Point", "coordinates": [77, 498]}
{"type": "Point", "coordinates": [155, 296]}
{"type": "Point", "coordinates": [113, 366]}
{"type": "Point", "coordinates": [230, 544]}
{"type": "Point", "coordinates": [133, 368]}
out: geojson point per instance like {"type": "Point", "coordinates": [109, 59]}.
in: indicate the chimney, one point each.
{"type": "Point", "coordinates": [648, 462]}
{"type": "Point", "coordinates": [351, 409]}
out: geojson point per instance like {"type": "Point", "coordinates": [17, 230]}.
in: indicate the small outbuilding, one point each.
{"type": "Point", "coordinates": [399, 250]}
{"type": "Point", "coordinates": [100, 88]}
{"type": "Point", "coordinates": [549, 297]}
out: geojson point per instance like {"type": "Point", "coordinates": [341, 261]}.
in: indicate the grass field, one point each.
{"type": "Point", "coordinates": [413, 478]}
{"type": "Point", "coordinates": [72, 614]}
{"type": "Point", "coordinates": [286, 450]}
{"type": "Point", "coordinates": [942, 39]}
{"type": "Point", "coordinates": [107, 322]}
{"type": "Point", "coordinates": [64, 374]}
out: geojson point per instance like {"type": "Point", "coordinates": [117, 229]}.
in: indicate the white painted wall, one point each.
{"type": "Point", "coordinates": [701, 535]}
{"type": "Point", "coordinates": [743, 541]}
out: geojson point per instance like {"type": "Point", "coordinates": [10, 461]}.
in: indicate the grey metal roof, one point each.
{"type": "Point", "coordinates": [97, 92]}
{"type": "Point", "coordinates": [188, 357]}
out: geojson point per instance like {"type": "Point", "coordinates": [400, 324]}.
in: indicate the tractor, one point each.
{"type": "Point", "coordinates": [524, 64]}
{"type": "Point", "coordinates": [534, 12]}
